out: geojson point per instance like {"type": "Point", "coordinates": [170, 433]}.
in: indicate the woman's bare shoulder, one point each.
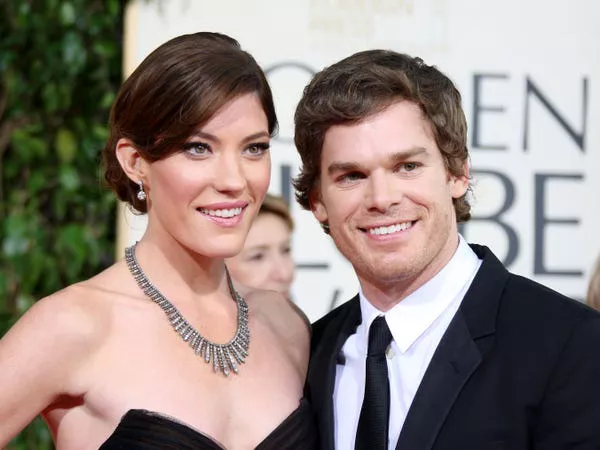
{"type": "Point", "coordinates": [73, 315]}
{"type": "Point", "coordinates": [47, 353]}
{"type": "Point", "coordinates": [77, 315]}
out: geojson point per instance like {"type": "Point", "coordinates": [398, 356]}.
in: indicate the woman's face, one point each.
{"type": "Point", "coordinates": [265, 262]}
{"type": "Point", "coordinates": [206, 195]}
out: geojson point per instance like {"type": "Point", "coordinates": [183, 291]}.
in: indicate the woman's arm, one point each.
{"type": "Point", "coordinates": [39, 360]}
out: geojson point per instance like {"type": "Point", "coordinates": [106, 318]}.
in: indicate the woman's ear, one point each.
{"type": "Point", "coordinates": [132, 162]}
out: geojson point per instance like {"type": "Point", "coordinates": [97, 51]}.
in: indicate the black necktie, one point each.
{"type": "Point", "coordinates": [372, 433]}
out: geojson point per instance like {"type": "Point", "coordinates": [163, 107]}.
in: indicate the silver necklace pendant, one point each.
{"type": "Point", "coordinates": [225, 357]}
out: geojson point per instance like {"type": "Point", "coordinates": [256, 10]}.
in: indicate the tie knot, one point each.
{"type": "Point", "coordinates": [379, 337]}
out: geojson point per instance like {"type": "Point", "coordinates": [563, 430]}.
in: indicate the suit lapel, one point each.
{"type": "Point", "coordinates": [322, 369]}
{"type": "Point", "coordinates": [458, 355]}
{"type": "Point", "coordinates": [455, 360]}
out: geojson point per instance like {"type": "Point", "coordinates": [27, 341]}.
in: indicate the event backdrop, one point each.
{"type": "Point", "coordinates": [527, 70]}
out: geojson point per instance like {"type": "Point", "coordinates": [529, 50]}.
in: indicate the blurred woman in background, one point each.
{"type": "Point", "coordinates": [593, 293]}
{"type": "Point", "coordinates": [266, 260]}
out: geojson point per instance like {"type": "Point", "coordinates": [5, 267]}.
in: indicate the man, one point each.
{"type": "Point", "coordinates": [442, 348]}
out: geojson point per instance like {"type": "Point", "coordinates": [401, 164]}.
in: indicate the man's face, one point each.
{"type": "Point", "coordinates": [387, 197]}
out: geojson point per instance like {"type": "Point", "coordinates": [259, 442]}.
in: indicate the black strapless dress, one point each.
{"type": "Point", "coordinates": [146, 430]}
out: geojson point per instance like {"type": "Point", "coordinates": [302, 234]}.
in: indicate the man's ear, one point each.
{"type": "Point", "coordinates": [132, 162]}
{"type": "Point", "coordinates": [460, 184]}
{"type": "Point", "coordinates": [317, 207]}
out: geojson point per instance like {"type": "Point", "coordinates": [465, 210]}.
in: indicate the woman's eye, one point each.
{"type": "Point", "coordinates": [258, 148]}
{"type": "Point", "coordinates": [256, 257]}
{"type": "Point", "coordinates": [196, 148]}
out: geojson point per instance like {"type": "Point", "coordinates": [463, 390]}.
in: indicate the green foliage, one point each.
{"type": "Point", "coordinates": [60, 67]}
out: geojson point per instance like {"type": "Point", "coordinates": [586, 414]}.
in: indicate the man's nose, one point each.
{"type": "Point", "coordinates": [381, 193]}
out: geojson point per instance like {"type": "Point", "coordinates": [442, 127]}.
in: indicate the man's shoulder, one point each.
{"type": "Point", "coordinates": [544, 302]}
{"type": "Point", "coordinates": [520, 302]}
{"type": "Point", "coordinates": [524, 293]}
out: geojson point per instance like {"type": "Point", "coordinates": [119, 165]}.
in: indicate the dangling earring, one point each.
{"type": "Point", "coordinates": [141, 195]}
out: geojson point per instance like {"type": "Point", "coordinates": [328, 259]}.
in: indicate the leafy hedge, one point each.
{"type": "Point", "coordinates": [60, 68]}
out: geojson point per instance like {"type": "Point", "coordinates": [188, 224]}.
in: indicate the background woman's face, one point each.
{"type": "Point", "coordinates": [266, 261]}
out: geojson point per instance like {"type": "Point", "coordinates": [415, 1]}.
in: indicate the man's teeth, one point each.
{"type": "Point", "coordinates": [221, 212]}
{"type": "Point", "coordinates": [391, 229]}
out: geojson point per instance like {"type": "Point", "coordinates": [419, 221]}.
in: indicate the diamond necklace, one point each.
{"type": "Point", "coordinates": [225, 357]}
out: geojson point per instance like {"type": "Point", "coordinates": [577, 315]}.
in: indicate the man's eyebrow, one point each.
{"type": "Point", "coordinates": [336, 167]}
{"type": "Point", "coordinates": [351, 166]}
{"type": "Point", "coordinates": [407, 154]}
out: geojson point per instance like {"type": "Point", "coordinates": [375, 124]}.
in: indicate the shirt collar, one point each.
{"type": "Point", "coordinates": [411, 317]}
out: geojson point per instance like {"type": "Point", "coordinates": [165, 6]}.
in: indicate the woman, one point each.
{"type": "Point", "coordinates": [593, 293]}
{"type": "Point", "coordinates": [266, 261]}
{"type": "Point", "coordinates": [120, 360]}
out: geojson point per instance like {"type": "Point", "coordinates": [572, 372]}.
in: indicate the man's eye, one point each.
{"type": "Point", "coordinates": [196, 148]}
{"type": "Point", "coordinates": [408, 167]}
{"type": "Point", "coordinates": [350, 176]}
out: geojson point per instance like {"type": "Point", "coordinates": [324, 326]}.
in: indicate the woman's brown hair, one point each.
{"type": "Point", "coordinates": [276, 205]}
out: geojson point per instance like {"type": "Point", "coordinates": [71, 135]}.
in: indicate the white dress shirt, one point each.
{"type": "Point", "coordinates": [417, 324]}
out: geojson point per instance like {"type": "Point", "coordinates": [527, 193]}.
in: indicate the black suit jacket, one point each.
{"type": "Point", "coordinates": [518, 368]}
